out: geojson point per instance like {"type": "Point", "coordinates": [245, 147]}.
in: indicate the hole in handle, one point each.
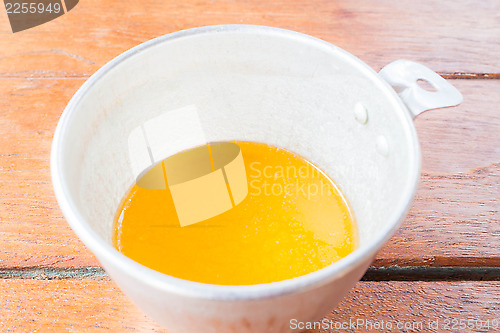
{"type": "Point", "coordinates": [426, 85]}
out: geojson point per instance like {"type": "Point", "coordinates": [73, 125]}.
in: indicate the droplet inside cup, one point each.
{"type": "Point", "coordinates": [361, 113]}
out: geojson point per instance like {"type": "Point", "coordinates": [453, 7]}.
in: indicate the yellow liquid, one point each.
{"type": "Point", "coordinates": [292, 222]}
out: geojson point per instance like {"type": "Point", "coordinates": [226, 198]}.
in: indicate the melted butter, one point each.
{"type": "Point", "coordinates": [292, 222]}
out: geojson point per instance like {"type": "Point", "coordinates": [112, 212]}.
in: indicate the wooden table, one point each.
{"type": "Point", "coordinates": [444, 263]}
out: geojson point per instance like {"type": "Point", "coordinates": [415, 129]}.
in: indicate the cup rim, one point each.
{"type": "Point", "coordinates": [107, 253]}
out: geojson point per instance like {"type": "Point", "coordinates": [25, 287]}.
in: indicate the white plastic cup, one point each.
{"type": "Point", "coordinates": [258, 84]}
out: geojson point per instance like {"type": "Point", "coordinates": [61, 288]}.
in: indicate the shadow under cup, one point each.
{"type": "Point", "coordinates": [247, 83]}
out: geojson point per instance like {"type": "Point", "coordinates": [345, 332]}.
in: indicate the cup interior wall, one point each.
{"type": "Point", "coordinates": [286, 90]}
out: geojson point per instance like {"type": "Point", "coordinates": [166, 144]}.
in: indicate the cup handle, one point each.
{"type": "Point", "coordinates": [403, 75]}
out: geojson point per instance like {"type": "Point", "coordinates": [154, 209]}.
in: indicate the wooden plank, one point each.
{"type": "Point", "coordinates": [32, 228]}
{"type": "Point", "coordinates": [416, 305]}
{"type": "Point", "coordinates": [69, 306]}
{"type": "Point", "coordinates": [453, 221]}
{"type": "Point", "coordinates": [98, 306]}
{"type": "Point", "coordinates": [463, 37]}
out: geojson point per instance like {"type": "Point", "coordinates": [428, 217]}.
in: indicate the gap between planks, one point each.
{"type": "Point", "coordinates": [392, 273]}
